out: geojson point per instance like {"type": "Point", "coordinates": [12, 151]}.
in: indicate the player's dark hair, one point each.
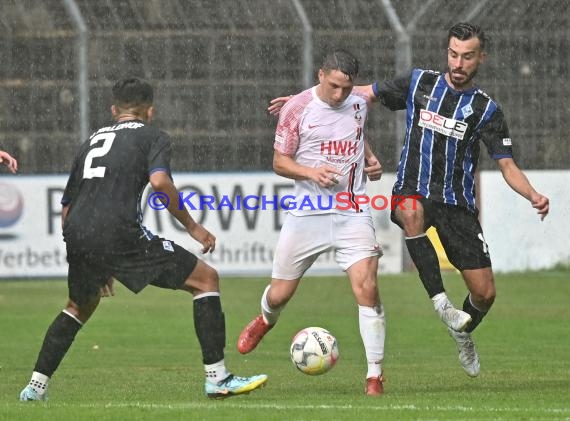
{"type": "Point", "coordinates": [132, 92]}
{"type": "Point", "coordinates": [464, 31]}
{"type": "Point", "coordinates": [343, 61]}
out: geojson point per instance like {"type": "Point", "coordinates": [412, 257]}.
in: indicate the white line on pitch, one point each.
{"type": "Point", "coordinates": [226, 405]}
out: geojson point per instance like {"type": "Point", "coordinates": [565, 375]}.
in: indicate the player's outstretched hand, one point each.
{"type": "Point", "coordinates": [541, 203]}
{"type": "Point", "coordinates": [9, 161]}
{"type": "Point", "coordinates": [373, 169]}
{"type": "Point", "coordinates": [276, 104]}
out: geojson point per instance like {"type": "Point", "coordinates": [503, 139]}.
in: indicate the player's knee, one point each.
{"type": "Point", "coordinates": [366, 291]}
{"type": "Point", "coordinates": [278, 302]}
{"type": "Point", "coordinates": [412, 221]}
{"type": "Point", "coordinates": [203, 278]}
{"type": "Point", "coordinates": [212, 278]}
{"type": "Point", "coordinates": [484, 298]}
{"type": "Point", "coordinates": [489, 297]}
{"type": "Point", "coordinates": [82, 312]}
{"type": "Point", "coordinates": [278, 298]}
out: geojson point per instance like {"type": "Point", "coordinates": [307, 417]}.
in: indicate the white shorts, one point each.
{"type": "Point", "coordinates": [304, 238]}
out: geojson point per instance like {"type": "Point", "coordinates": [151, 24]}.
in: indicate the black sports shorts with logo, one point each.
{"type": "Point", "coordinates": [157, 262]}
{"type": "Point", "coordinates": [458, 229]}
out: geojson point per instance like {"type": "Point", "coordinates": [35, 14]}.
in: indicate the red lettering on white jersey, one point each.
{"type": "Point", "coordinates": [315, 134]}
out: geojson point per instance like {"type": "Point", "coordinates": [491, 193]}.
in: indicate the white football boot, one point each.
{"type": "Point", "coordinates": [453, 318]}
{"type": "Point", "coordinates": [467, 354]}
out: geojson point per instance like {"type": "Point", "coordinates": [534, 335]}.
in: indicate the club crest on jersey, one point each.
{"type": "Point", "coordinates": [357, 115]}
{"type": "Point", "coordinates": [167, 245]}
{"type": "Point", "coordinates": [445, 126]}
{"type": "Point", "coordinates": [467, 111]}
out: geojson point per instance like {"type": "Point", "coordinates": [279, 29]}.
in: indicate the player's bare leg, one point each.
{"type": "Point", "coordinates": [372, 323]}
{"type": "Point", "coordinates": [274, 298]}
{"type": "Point", "coordinates": [482, 292]}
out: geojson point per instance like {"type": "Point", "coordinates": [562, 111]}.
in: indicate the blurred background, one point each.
{"type": "Point", "coordinates": [215, 65]}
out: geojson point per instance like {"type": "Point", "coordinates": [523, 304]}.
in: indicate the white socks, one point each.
{"type": "Point", "coordinates": [39, 383]}
{"type": "Point", "coordinates": [216, 372]}
{"type": "Point", "coordinates": [373, 332]}
{"type": "Point", "coordinates": [270, 315]}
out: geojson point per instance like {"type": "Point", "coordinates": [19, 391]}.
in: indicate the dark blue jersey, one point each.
{"type": "Point", "coordinates": [443, 130]}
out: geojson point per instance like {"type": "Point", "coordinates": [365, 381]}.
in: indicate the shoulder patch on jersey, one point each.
{"type": "Point", "coordinates": [479, 91]}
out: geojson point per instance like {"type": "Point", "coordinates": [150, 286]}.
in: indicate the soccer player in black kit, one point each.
{"type": "Point", "coordinates": [447, 117]}
{"type": "Point", "coordinates": [106, 240]}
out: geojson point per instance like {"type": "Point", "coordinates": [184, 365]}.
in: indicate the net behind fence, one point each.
{"type": "Point", "coordinates": [215, 65]}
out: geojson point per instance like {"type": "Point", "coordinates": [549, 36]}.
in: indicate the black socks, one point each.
{"type": "Point", "coordinates": [210, 327]}
{"type": "Point", "coordinates": [58, 339]}
{"type": "Point", "coordinates": [476, 314]}
{"type": "Point", "coordinates": [424, 256]}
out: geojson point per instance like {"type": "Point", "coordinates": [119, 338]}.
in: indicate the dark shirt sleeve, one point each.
{"type": "Point", "coordinates": [75, 176]}
{"type": "Point", "coordinates": [495, 136]}
{"type": "Point", "coordinates": [70, 189]}
{"type": "Point", "coordinates": [393, 93]}
{"type": "Point", "coordinates": [159, 155]}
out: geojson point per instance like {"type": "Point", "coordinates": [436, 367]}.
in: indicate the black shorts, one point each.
{"type": "Point", "coordinates": [459, 231]}
{"type": "Point", "coordinates": [157, 262]}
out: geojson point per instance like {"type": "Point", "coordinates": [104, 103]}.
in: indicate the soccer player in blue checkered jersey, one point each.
{"type": "Point", "coordinates": [448, 117]}
{"type": "Point", "coordinates": [105, 240]}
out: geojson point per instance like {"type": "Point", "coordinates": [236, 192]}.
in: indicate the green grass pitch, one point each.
{"type": "Point", "coordinates": [138, 357]}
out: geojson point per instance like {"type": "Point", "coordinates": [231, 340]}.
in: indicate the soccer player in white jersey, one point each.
{"type": "Point", "coordinates": [319, 143]}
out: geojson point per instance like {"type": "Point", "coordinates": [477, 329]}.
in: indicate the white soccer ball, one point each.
{"type": "Point", "coordinates": [314, 350]}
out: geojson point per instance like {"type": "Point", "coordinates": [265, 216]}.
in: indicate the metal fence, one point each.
{"type": "Point", "coordinates": [215, 64]}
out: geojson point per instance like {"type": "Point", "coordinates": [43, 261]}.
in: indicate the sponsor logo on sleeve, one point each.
{"type": "Point", "coordinates": [507, 141]}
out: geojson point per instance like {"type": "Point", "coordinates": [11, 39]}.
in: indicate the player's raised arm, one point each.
{"type": "Point", "coordinates": [367, 91]}
{"type": "Point", "coordinates": [276, 104]}
{"type": "Point", "coordinates": [516, 179]}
